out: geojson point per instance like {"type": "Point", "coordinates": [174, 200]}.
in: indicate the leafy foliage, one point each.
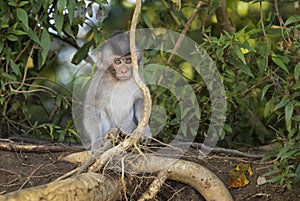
{"type": "Point", "coordinates": [259, 65]}
{"type": "Point", "coordinates": [27, 29]}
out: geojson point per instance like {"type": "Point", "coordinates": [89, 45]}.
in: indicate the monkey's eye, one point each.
{"type": "Point", "coordinates": [128, 61]}
{"type": "Point", "coordinates": [118, 61]}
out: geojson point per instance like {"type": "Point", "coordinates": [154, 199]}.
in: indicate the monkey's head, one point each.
{"type": "Point", "coordinates": [121, 67]}
{"type": "Point", "coordinates": [115, 55]}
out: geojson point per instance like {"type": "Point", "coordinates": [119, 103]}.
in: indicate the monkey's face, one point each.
{"type": "Point", "coordinates": [121, 68]}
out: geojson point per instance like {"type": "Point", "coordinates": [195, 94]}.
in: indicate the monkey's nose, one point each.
{"type": "Point", "coordinates": [123, 70]}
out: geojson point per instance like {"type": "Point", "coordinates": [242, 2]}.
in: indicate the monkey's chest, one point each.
{"type": "Point", "coordinates": [121, 98]}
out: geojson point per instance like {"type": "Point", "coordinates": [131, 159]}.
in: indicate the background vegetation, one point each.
{"type": "Point", "coordinates": [257, 54]}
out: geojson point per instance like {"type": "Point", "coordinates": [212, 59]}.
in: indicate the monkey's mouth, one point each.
{"type": "Point", "coordinates": [124, 77]}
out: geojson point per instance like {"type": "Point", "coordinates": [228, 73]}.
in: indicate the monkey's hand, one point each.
{"type": "Point", "coordinates": [113, 135]}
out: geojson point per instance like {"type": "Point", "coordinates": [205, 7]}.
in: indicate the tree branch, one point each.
{"type": "Point", "coordinates": [185, 29]}
{"type": "Point", "coordinates": [147, 98]}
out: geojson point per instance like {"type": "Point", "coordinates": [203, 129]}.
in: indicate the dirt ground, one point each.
{"type": "Point", "coordinates": [19, 170]}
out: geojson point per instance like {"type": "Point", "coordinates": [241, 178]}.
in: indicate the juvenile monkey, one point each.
{"type": "Point", "coordinates": [118, 100]}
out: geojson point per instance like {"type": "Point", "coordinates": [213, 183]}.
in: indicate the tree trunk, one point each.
{"type": "Point", "coordinates": [223, 18]}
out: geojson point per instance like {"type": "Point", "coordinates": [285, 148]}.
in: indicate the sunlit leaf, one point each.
{"type": "Point", "coordinates": [244, 167]}
{"type": "Point", "coordinates": [178, 3]}
{"type": "Point", "coordinates": [237, 179]}
{"type": "Point", "coordinates": [30, 63]}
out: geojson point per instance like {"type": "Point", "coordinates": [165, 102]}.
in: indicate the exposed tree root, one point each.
{"type": "Point", "coordinates": [93, 186]}
{"type": "Point", "coordinates": [87, 186]}
{"type": "Point", "coordinates": [10, 145]}
{"type": "Point", "coordinates": [155, 186]}
{"type": "Point", "coordinates": [195, 175]}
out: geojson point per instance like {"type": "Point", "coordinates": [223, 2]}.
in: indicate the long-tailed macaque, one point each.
{"type": "Point", "coordinates": [118, 100]}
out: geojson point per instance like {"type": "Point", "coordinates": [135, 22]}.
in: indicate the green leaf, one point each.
{"type": "Point", "coordinates": [19, 32]}
{"type": "Point", "coordinates": [297, 172]}
{"type": "Point", "coordinates": [9, 76]}
{"type": "Point", "coordinates": [61, 5]}
{"type": "Point", "coordinates": [68, 30]}
{"type": "Point", "coordinates": [23, 3]}
{"type": "Point", "coordinates": [282, 103]}
{"type": "Point", "coordinates": [12, 37]}
{"type": "Point", "coordinates": [12, 3]}
{"type": "Point", "coordinates": [15, 67]}
{"type": "Point", "coordinates": [45, 43]}
{"type": "Point", "coordinates": [245, 69]}
{"type": "Point", "coordinates": [71, 10]}
{"type": "Point", "coordinates": [1, 45]}
{"type": "Point", "coordinates": [292, 19]}
{"type": "Point", "coordinates": [36, 7]}
{"type": "Point", "coordinates": [81, 53]}
{"type": "Point", "coordinates": [23, 17]}
{"type": "Point", "coordinates": [269, 107]}
{"type": "Point", "coordinates": [296, 118]}
{"type": "Point", "coordinates": [296, 85]}
{"type": "Point", "coordinates": [275, 179]}
{"type": "Point", "coordinates": [147, 21]}
{"type": "Point", "coordinates": [239, 54]}
{"type": "Point", "coordinates": [297, 71]}
{"type": "Point", "coordinates": [33, 35]}
{"type": "Point", "coordinates": [265, 89]}
{"type": "Point", "coordinates": [59, 21]}
{"type": "Point", "coordinates": [289, 108]}
{"type": "Point", "coordinates": [279, 62]}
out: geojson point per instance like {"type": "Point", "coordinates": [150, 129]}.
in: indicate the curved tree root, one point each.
{"type": "Point", "coordinates": [93, 186]}
{"type": "Point", "coordinates": [87, 186]}
{"type": "Point", "coordinates": [195, 175]}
